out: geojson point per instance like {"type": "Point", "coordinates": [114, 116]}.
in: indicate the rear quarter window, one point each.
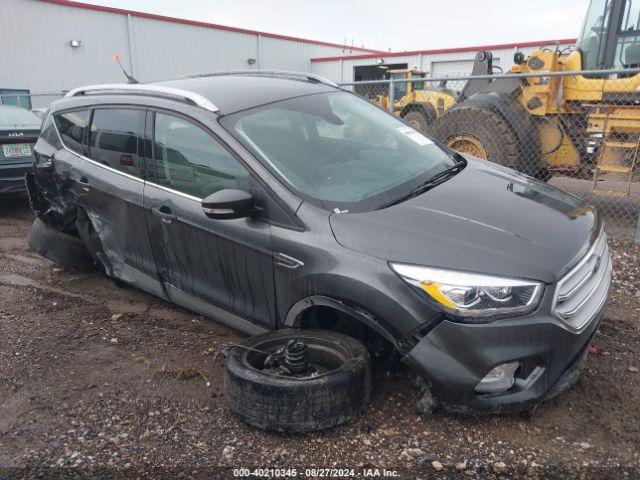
{"type": "Point", "coordinates": [48, 141]}
{"type": "Point", "coordinates": [72, 127]}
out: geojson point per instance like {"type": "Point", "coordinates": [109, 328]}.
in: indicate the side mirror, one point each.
{"type": "Point", "coordinates": [228, 204]}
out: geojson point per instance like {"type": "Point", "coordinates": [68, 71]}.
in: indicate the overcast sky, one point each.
{"type": "Point", "coordinates": [384, 24]}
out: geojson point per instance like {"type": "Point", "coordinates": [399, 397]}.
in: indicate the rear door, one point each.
{"type": "Point", "coordinates": [216, 267]}
{"type": "Point", "coordinates": [115, 179]}
{"type": "Point", "coordinates": [105, 170]}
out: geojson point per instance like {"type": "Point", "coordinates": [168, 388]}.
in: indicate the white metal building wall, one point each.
{"type": "Point", "coordinates": [453, 68]}
{"type": "Point", "coordinates": [158, 54]}
{"type": "Point", "coordinates": [35, 53]}
{"type": "Point", "coordinates": [458, 63]}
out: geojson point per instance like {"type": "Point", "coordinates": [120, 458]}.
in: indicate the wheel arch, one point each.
{"type": "Point", "coordinates": [296, 315]}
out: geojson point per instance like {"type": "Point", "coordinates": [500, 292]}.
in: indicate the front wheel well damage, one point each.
{"type": "Point", "coordinates": [330, 318]}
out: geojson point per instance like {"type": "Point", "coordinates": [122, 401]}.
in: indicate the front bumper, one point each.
{"type": "Point", "coordinates": [454, 357]}
{"type": "Point", "coordinates": [12, 178]}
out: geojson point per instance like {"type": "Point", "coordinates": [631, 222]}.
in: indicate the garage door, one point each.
{"type": "Point", "coordinates": [455, 68]}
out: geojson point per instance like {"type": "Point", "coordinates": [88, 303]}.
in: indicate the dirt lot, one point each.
{"type": "Point", "coordinates": [111, 381]}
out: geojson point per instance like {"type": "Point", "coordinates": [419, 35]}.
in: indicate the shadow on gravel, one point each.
{"type": "Point", "coordinates": [14, 207]}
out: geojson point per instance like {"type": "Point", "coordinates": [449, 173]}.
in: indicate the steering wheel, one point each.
{"type": "Point", "coordinates": [338, 155]}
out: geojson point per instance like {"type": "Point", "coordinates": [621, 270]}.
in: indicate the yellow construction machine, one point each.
{"type": "Point", "coordinates": [419, 105]}
{"type": "Point", "coordinates": [585, 125]}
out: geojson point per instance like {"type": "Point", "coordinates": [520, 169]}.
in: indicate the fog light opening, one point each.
{"type": "Point", "coordinates": [498, 380]}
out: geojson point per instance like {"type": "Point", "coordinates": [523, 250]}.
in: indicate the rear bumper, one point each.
{"type": "Point", "coordinates": [12, 178]}
{"type": "Point", "coordinates": [454, 357]}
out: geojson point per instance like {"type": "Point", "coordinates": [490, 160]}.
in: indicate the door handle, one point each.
{"type": "Point", "coordinates": [85, 185]}
{"type": "Point", "coordinates": [165, 214]}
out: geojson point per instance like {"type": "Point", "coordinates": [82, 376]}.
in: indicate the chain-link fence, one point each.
{"type": "Point", "coordinates": [580, 131]}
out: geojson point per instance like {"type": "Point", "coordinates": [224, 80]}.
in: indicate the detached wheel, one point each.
{"type": "Point", "coordinates": [59, 247]}
{"type": "Point", "coordinates": [480, 132]}
{"type": "Point", "coordinates": [420, 119]}
{"type": "Point", "coordinates": [298, 380]}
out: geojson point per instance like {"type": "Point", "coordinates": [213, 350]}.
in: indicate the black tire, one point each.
{"type": "Point", "coordinates": [507, 132]}
{"type": "Point", "coordinates": [420, 118]}
{"type": "Point", "coordinates": [485, 125]}
{"type": "Point", "coordinates": [285, 404]}
{"type": "Point", "coordinates": [57, 246]}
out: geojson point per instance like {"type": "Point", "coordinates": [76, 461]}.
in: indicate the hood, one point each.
{"type": "Point", "coordinates": [485, 219]}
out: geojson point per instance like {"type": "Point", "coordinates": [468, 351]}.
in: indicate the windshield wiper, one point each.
{"type": "Point", "coordinates": [428, 184]}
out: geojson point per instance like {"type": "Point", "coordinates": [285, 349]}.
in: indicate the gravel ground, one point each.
{"type": "Point", "coordinates": [97, 380]}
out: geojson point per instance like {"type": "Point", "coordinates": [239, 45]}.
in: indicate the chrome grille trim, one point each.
{"type": "Point", "coordinates": [598, 249]}
{"type": "Point", "coordinates": [580, 294]}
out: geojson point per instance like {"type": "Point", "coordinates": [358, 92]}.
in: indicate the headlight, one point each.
{"type": "Point", "coordinates": [471, 294]}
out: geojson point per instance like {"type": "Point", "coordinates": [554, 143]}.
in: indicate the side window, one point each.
{"type": "Point", "coordinates": [115, 137]}
{"type": "Point", "coordinates": [593, 33]}
{"type": "Point", "coordinates": [627, 53]}
{"type": "Point", "coordinates": [189, 160]}
{"type": "Point", "coordinates": [72, 127]}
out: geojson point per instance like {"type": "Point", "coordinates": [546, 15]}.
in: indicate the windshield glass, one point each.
{"type": "Point", "coordinates": [10, 116]}
{"type": "Point", "coordinates": [337, 150]}
{"type": "Point", "coordinates": [592, 36]}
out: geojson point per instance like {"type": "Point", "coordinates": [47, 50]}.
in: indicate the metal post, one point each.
{"type": "Point", "coordinates": [259, 51]}
{"type": "Point", "coordinates": [391, 93]}
{"type": "Point", "coordinates": [637, 239]}
{"type": "Point", "coordinates": [132, 68]}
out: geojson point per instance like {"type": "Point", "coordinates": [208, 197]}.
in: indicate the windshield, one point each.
{"type": "Point", "coordinates": [10, 116]}
{"type": "Point", "coordinates": [592, 35]}
{"type": "Point", "coordinates": [337, 150]}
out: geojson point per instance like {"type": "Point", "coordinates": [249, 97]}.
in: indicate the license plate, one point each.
{"type": "Point", "coordinates": [17, 150]}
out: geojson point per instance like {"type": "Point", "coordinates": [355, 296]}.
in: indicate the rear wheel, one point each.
{"type": "Point", "coordinates": [298, 380]}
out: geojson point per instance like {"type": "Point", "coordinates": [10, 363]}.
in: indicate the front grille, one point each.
{"type": "Point", "coordinates": [581, 292]}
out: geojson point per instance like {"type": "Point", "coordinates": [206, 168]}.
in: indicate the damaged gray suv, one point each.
{"type": "Point", "coordinates": [280, 201]}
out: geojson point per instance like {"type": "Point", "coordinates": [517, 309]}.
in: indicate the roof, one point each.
{"type": "Point", "coordinates": [101, 8]}
{"type": "Point", "coordinates": [564, 41]}
{"type": "Point", "coordinates": [235, 92]}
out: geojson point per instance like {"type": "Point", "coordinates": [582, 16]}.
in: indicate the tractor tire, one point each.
{"type": "Point", "coordinates": [495, 127]}
{"type": "Point", "coordinates": [420, 118]}
{"type": "Point", "coordinates": [480, 132]}
{"type": "Point", "coordinates": [59, 247]}
{"type": "Point", "coordinates": [285, 403]}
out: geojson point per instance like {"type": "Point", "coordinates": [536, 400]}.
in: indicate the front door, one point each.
{"type": "Point", "coordinates": [215, 267]}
